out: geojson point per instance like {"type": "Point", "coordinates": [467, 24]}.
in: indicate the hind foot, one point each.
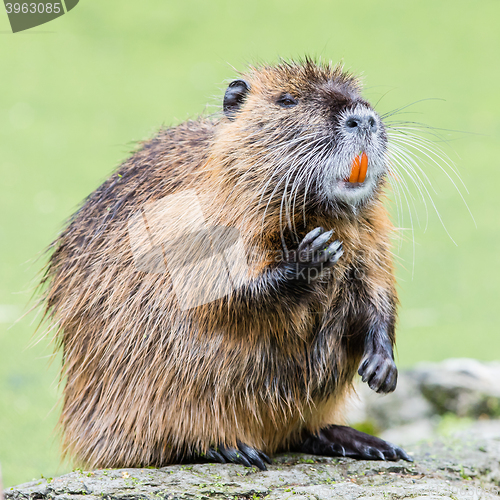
{"type": "Point", "coordinates": [244, 455]}
{"type": "Point", "coordinates": [342, 441]}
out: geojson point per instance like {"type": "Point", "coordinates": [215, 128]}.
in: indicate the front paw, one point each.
{"type": "Point", "coordinates": [314, 255]}
{"type": "Point", "coordinates": [379, 371]}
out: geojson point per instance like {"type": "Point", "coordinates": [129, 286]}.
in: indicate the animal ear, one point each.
{"type": "Point", "coordinates": [235, 96]}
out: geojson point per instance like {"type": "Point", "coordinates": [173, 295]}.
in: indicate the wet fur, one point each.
{"type": "Point", "coordinates": [149, 384]}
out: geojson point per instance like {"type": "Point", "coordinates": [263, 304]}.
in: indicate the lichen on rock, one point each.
{"type": "Point", "coordinates": [464, 468]}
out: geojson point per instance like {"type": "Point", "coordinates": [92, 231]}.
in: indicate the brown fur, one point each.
{"type": "Point", "coordinates": [147, 383]}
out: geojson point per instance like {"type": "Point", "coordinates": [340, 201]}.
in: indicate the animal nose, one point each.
{"type": "Point", "coordinates": [361, 123]}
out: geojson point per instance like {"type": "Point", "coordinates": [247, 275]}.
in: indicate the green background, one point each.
{"type": "Point", "coordinates": [75, 93]}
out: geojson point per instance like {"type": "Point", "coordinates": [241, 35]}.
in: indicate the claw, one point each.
{"type": "Point", "coordinates": [335, 250]}
{"type": "Point", "coordinates": [338, 449]}
{"type": "Point", "coordinates": [390, 454]}
{"type": "Point", "coordinates": [378, 453]}
{"type": "Point", "coordinates": [379, 377]}
{"type": "Point", "coordinates": [320, 241]}
{"type": "Point", "coordinates": [252, 455]}
{"type": "Point", "coordinates": [265, 458]}
{"type": "Point", "coordinates": [402, 454]}
{"type": "Point", "coordinates": [390, 383]}
{"type": "Point", "coordinates": [237, 457]}
{"type": "Point", "coordinates": [310, 237]}
{"type": "Point", "coordinates": [332, 254]}
{"type": "Point", "coordinates": [362, 366]}
{"type": "Point", "coordinates": [244, 455]}
{"type": "Point", "coordinates": [215, 455]}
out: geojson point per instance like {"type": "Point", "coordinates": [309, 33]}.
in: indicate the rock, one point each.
{"type": "Point", "coordinates": [465, 387]}
{"type": "Point", "coordinates": [432, 399]}
{"type": "Point", "coordinates": [480, 430]}
{"type": "Point", "coordinates": [457, 469]}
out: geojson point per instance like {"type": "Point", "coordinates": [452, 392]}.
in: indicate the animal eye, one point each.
{"type": "Point", "coordinates": [287, 101]}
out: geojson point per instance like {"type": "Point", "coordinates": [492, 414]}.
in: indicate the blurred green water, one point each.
{"type": "Point", "coordinates": [76, 92]}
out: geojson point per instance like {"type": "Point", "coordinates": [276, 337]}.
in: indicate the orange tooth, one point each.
{"type": "Point", "coordinates": [356, 164]}
{"type": "Point", "coordinates": [364, 167]}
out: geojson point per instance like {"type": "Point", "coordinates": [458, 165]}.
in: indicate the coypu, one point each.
{"type": "Point", "coordinates": [165, 357]}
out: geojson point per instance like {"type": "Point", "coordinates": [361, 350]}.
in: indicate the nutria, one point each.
{"type": "Point", "coordinates": [215, 297]}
